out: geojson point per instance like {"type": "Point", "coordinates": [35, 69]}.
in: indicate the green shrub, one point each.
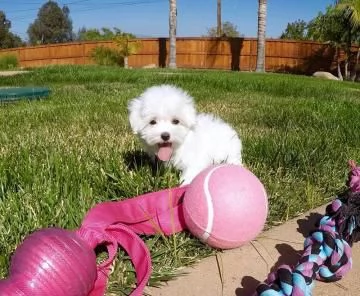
{"type": "Point", "coordinates": [107, 56]}
{"type": "Point", "coordinates": [8, 61]}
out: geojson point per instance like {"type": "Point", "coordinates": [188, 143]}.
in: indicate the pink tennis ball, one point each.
{"type": "Point", "coordinates": [225, 206]}
{"type": "Point", "coordinates": [53, 262]}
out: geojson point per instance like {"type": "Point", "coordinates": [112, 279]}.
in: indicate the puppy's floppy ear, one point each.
{"type": "Point", "coordinates": [134, 108]}
{"type": "Point", "coordinates": [188, 111]}
{"type": "Point", "coordinates": [190, 117]}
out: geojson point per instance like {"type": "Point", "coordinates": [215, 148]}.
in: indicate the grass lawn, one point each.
{"type": "Point", "coordinates": [62, 155]}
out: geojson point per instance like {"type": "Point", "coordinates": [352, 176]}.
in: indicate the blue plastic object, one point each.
{"type": "Point", "coordinates": [17, 93]}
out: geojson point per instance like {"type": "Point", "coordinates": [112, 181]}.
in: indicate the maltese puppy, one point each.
{"type": "Point", "coordinates": [165, 119]}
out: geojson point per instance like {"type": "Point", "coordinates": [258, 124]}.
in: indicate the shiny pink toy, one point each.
{"type": "Point", "coordinates": [60, 262]}
{"type": "Point", "coordinates": [45, 263]}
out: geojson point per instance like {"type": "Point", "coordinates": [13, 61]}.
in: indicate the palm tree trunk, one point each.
{"type": "Point", "coordinates": [219, 26]}
{"type": "Point", "coordinates": [348, 53]}
{"type": "Point", "coordinates": [354, 69]}
{"type": "Point", "coordinates": [172, 34]}
{"type": "Point", "coordinates": [126, 62]}
{"type": "Point", "coordinates": [261, 36]}
{"type": "Point", "coordinates": [339, 71]}
{"type": "Point", "coordinates": [356, 66]}
{"type": "Point", "coordinates": [346, 67]}
{"type": "Point", "coordinates": [340, 76]}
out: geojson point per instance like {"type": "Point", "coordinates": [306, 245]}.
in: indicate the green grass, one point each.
{"type": "Point", "coordinates": [8, 62]}
{"type": "Point", "coordinates": [62, 155]}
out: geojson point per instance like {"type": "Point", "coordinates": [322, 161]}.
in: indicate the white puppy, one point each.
{"type": "Point", "coordinates": [165, 119]}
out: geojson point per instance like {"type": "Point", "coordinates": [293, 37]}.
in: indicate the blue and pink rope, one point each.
{"type": "Point", "coordinates": [327, 251]}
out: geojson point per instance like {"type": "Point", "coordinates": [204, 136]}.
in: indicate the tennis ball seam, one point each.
{"type": "Point", "coordinates": [210, 207]}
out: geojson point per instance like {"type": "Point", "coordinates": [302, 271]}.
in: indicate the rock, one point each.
{"type": "Point", "coordinates": [150, 66]}
{"type": "Point", "coordinates": [325, 75]}
{"type": "Point", "coordinates": [12, 73]}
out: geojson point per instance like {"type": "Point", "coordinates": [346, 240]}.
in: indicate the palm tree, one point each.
{"type": "Point", "coordinates": [260, 61]}
{"type": "Point", "coordinates": [172, 34]}
{"type": "Point", "coordinates": [219, 25]}
{"type": "Point", "coordinates": [351, 9]}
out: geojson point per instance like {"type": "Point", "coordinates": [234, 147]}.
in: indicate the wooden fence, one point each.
{"type": "Point", "coordinates": [209, 53]}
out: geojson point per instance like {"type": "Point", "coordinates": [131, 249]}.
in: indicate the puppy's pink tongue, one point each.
{"type": "Point", "coordinates": [165, 152]}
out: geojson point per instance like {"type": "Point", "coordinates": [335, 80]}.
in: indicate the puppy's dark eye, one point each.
{"type": "Point", "coordinates": [153, 122]}
{"type": "Point", "coordinates": [175, 121]}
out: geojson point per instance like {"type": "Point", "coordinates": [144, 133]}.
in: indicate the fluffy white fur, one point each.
{"type": "Point", "coordinates": [196, 140]}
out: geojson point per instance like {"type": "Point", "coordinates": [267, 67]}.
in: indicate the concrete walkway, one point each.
{"type": "Point", "coordinates": [237, 272]}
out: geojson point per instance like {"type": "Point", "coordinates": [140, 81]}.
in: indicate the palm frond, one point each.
{"type": "Point", "coordinates": [351, 8]}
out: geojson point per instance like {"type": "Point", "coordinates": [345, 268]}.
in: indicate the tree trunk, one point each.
{"type": "Point", "coordinates": [348, 54]}
{"type": "Point", "coordinates": [219, 26]}
{"type": "Point", "coordinates": [261, 36]}
{"type": "Point", "coordinates": [355, 69]}
{"type": "Point", "coordinates": [339, 71]}
{"type": "Point", "coordinates": [126, 62]}
{"type": "Point", "coordinates": [172, 34]}
{"type": "Point", "coordinates": [346, 67]}
{"type": "Point", "coordinates": [338, 64]}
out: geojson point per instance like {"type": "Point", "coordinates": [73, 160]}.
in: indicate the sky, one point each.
{"type": "Point", "coordinates": [149, 18]}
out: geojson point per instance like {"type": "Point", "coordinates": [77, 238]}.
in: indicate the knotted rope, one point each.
{"type": "Point", "coordinates": [327, 251]}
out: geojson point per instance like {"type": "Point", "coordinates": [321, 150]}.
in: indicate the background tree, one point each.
{"type": "Point", "coordinates": [11, 41]}
{"type": "Point", "coordinates": [228, 30]}
{"type": "Point", "coordinates": [296, 31]}
{"type": "Point", "coordinates": [93, 34]}
{"type": "Point", "coordinates": [127, 46]}
{"type": "Point", "coordinates": [172, 33]}
{"type": "Point", "coordinates": [331, 28]}
{"type": "Point", "coordinates": [52, 25]}
{"type": "Point", "coordinates": [335, 27]}
{"type": "Point", "coordinates": [261, 36]}
{"type": "Point", "coordinates": [5, 25]}
{"type": "Point", "coordinates": [338, 26]}
{"type": "Point", "coordinates": [7, 38]}
{"type": "Point", "coordinates": [106, 56]}
{"type": "Point", "coordinates": [351, 10]}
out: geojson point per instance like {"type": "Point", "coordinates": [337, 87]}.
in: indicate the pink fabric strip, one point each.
{"type": "Point", "coordinates": [118, 223]}
{"type": "Point", "coordinates": [145, 214]}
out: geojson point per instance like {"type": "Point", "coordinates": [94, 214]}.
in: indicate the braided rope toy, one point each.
{"type": "Point", "coordinates": [327, 251]}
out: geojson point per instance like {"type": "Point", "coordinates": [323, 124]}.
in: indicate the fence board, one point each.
{"type": "Point", "coordinates": [216, 53]}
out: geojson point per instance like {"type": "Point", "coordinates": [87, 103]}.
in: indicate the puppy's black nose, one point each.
{"type": "Point", "coordinates": [165, 136]}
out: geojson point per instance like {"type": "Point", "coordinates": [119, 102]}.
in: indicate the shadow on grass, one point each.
{"type": "Point", "coordinates": [137, 160]}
